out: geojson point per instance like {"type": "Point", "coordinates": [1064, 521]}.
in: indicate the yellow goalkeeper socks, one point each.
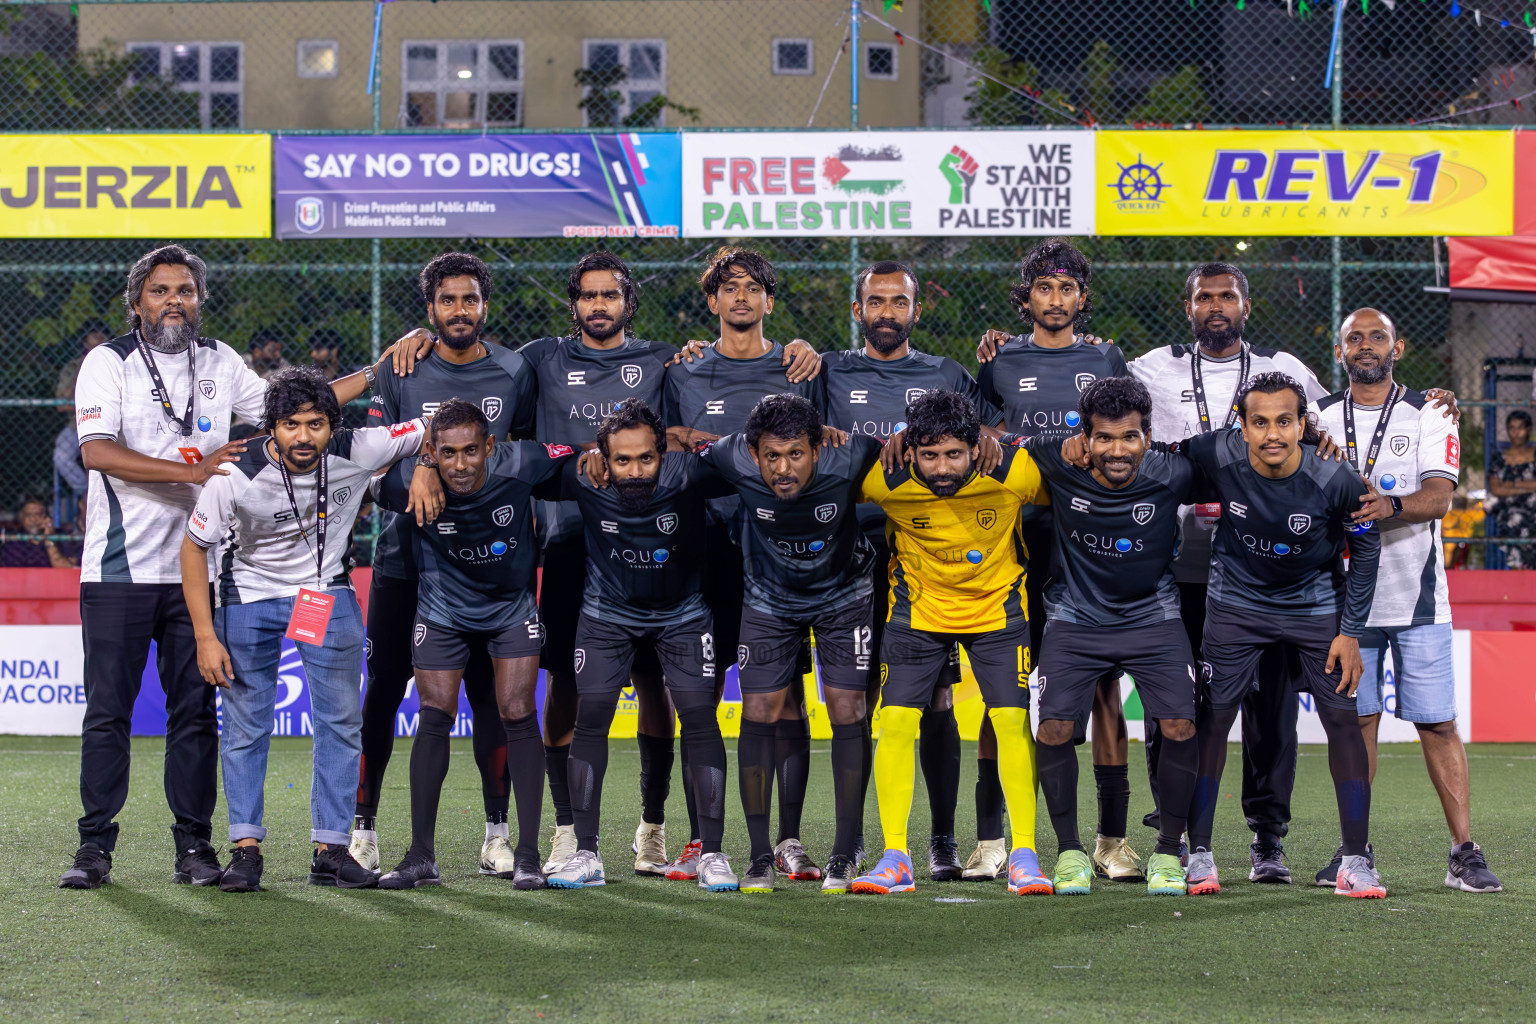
{"type": "Point", "coordinates": [1016, 769]}
{"type": "Point", "coordinates": [895, 764]}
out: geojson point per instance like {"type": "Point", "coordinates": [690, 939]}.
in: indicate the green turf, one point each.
{"type": "Point", "coordinates": [476, 950]}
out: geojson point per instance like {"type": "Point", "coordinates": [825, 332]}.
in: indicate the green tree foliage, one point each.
{"type": "Point", "coordinates": [1178, 98]}
{"type": "Point", "coordinates": [991, 104]}
{"type": "Point", "coordinates": [92, 90]}
{"type": "Point", "coordinates": [603, 101]}
{"type": "Point", "coordinates": [1098, 70]}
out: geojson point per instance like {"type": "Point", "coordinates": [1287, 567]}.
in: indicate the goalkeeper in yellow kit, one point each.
{"type": "Point", "coordinates": [957, 574]}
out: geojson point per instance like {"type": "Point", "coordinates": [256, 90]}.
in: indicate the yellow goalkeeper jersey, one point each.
{"type": "Point", "coordinates": [957, 565]}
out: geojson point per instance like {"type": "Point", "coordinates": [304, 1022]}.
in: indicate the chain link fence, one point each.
{"type": "Point", "coordinates": [512, 65]}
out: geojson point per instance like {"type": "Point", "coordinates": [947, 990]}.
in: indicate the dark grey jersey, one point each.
{"type": "Point", "coordinates": [1279, 545]}
{"type": "Point", "coordinates": [477, 561]}
{"type": "Point", "coordinates": [578, 387]}
{"type": "Point", "coordinates": [1112, 564]}
{"type": "Point", "coordinates": [808, 554]}
{"type": "Point", "coordinates": [502, 384]}
{"type": "Point", "coordinates": [646, 568]}
{"type": "Point", "coordinates": [1037, 388]}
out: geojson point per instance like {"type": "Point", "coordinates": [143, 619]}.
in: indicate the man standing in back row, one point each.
{"type": "Point", "coordinates": [1410, 456]}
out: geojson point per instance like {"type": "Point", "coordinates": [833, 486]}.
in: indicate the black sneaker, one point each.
{"type": "Point", "coordinates": [198, 865]}
{"type": "Point", "coordinates": [1328, 878]}
{"type": "Point", "coordinates": [1469, 870]}
{"type": "Point", "coordinates": [244, 871]}
{"type": "Point", "coordinates": [944, 859]}
{"type": "Point", "coordinates": [415, 871]}
{"type": "Point", "coordinates": [91, 870]}
{"type": "Point", "coordinates": [1267, 856]}
{"type": "Point", "coordinates": [335, 866]}
{"type": "Point", "coordinates": [527, 873]}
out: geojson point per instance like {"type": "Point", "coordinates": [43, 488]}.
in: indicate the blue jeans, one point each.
{"type": "Point", "coordinates": [253, 635]}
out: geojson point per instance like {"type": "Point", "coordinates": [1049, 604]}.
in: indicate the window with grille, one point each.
{"type": "Point", "coordinates": [461, 83]}
{"type": "Point", "coordinates": [645, 64]}
{"type": "Point", "coordinates": [214, 71]}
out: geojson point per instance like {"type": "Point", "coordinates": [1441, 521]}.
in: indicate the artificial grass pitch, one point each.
{"type": "Point", "coordinates": [643, 949]}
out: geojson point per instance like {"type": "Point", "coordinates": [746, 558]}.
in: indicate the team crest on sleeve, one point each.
{"type": "Point", "coordinates": [503, 515]}
{"type": "Point", "coordinates": [208, 388]}
{"type": "Point", "coordinates": [824, 513]}
{"type": "Point", "coordinates": [986, 518]}
{"type": "Point", "coordinates": [341, 496]}
{"type": "Point", "coordinates": [1453, 452]}
{"type": "Point", "coordinates": [558, 450]}
{"type": "Point", "coordinates": [1084, 379]}
{"type": "Point", "coordinates": [1143, 512]}
{"type": "Point", "coordinates": [630, 374]}
{"type": "Point", "coordinates": [579, 659]}
{"type": "Point", "coordinates": [913, 394]}
{"type": "Point", "coordinates": [667, 523]}
{"type": "Point", "coordinates": [1300, 523]}
{"type": "Point", "coordinates": [491, 406]}
{"type": "Point", "coordinates": [1398, 444]}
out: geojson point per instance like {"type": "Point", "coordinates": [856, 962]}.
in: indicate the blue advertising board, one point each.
{"type": "Point", "coordinates": [624, 185]}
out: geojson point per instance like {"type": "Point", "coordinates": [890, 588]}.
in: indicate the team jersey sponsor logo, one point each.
{"type": "Point", "coordinates": [715, 408]}
{"type": "Point", "coordinates": [1300, 523]}
{"type": "Point", "coordinates": [199, 519]}
{"type": "Point", "coordinates": [1398, 444]}
{"type": "Point", "coordinates": [1098, 542]}
{"type": "Point", "coordinates": [402, 429]}
{"type": "Point", "coordinates": [824, 513]}
{"type": "Point", "coordinates": [502, 516]}
{"type": "Point", "coordinates": [986, 518]}
{"type": "Point", "coordinates": [191, 456]}
{"type": "Point", "coordinates": [667, 523]}
{"type": "Point", "coordinates": [558, 450]}
{"type": "Point", "coordinates": [608, 525]}
{"type": "Point", "coordinates": [1084, 379]}
{"type": "Point", "coordinates": [491, 406]}
{"type": "Point", "coordinates": [90, 412]}
{"type": "Point", "coordinates": [1237, 508]}
{"type": "Point", "coordinates": [1028, 383]}
{"type": "Point", "coordinates": [765, 513]}
{"type": "Point", "coordinates": [1081, 504]}
{"type": "Point", "coordinates": [204, 424]}
{"type": "Point", "coordinates": [579, 658]}
{"type": "Point", "coordinates": [1453, 452]}
{"type": "Point", "coordinates": [482, 553]}
{"type": "Point", "coordinates": [576, 378]}
{"type": "Point", "coordinates": [631, 374]}
{"type": "Point", "coordinates": [341, 496]}
{"type": "Point", "coordinates": [1268, 548]}
{"type": "Point", "coordinates": [444, 529]}
{"type": "Point", "coordinates": [1388, 481]}
{"type": "Point", "coordinates": [858, 397]}
{"type": "Point", "coordinates": [207, 387]}
{"type": "Point", "coordinates": [1142, 513]}
{"type": "Point", "coordinates": [922, 522]}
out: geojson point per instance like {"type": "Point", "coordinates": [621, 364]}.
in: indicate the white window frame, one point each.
{"type": "Point", "coordinates": [895, 66]}
{"type": "Point", "coordinates": [630, 86]}
{"type": "Point", "coordinates": [442, 85]}
{"type": "Point", "coordinates": [203, 87]}
{"type": "Point", "coordinates": [298, 56]}
{"type": "Point", "coordinates": [810, 56]}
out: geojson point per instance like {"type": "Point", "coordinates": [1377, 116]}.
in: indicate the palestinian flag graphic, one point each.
{"type": "Point", "coordinates": [866, 171]}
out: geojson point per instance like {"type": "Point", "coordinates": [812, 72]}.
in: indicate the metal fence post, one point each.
{"type": "Point", "coordinates": [1336, 272]}
{"type": "Point", "coordinates": [375, 245]}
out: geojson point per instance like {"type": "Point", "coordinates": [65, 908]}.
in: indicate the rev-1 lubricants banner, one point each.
{"type": "Point", "coordinates": [136, 186]}
{"type": "Point", "coordinates": [490, 186]}
{"type": "Point", "coordinates": [1305, 183]}
{"type": "Point", "coordinates": [888, 183]}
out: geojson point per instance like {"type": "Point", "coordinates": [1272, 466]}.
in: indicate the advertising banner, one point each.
{"type": "Point", "coordinates": [1305, 183]}
{"type": "Point", "coordinates": [136, 186]}
{"type": "Point", "coordinates": [888, 183]}
{"type": "Point", "coordinates": [487, 186]}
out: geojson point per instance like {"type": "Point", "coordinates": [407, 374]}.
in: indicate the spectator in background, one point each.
{"type": "Point", "coordinates": [1512, 478]}
{"type": "Point", "coordinates": [32, 518]}
{"type": "Point", "coordinates": [68, 466]}
{"type": "Point", "coordinates": [325, 353]}
{"type": "Point", "coordinates": [266, 353]}
{"type": "Point", "coordinates": [92, 334]}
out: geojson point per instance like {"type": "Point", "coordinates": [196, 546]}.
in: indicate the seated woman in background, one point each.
{"type": "Point", "coordinates": [1512, 479]}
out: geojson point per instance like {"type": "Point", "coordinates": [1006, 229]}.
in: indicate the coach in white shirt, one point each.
{"type": "Point", "coordinates": [1409, 453]}
{"type": "Point", "coordinates": [282, 521]}
{"type": "Point", "coordinates": [152, 409]}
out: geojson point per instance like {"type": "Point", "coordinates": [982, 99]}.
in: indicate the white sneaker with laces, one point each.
{"type": "Point", "coordinates": [365, 848]}
{"type": "Point", "coordinates": [583, 871]}
{"type": "Point", "coordinates": [986, 861]}
{"type": "Point", "coordinates": [651, 850]}
{"type": "Point", "coordinates": [715, 873]}
{"type": "Point", "coordinates": [562, 847]}
{"type": "Point", "coordinates": [496, 857]}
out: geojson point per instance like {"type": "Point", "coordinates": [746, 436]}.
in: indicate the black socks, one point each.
{"type": "Point", "coordinates": [938, 751]}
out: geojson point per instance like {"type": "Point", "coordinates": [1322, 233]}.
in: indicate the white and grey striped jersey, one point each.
{"type": "Point", "coordinates": [133, 530]}
{"type": "Point", "coordinates": [1168, 374]}
{"type": "Point", "coordinates": [265, 551]}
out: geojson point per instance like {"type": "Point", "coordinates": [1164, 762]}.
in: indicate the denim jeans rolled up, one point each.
{"type": "Point", "coordinates": [253, 635]}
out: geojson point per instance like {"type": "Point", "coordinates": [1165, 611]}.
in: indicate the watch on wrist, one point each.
{"type": "Point", "coordinates": [1397, 506]}
{"type": "Point", "coordinates": [369, 376]}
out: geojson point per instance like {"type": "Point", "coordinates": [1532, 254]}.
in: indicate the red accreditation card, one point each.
{"type": "Point", "coordinates": [311, 616]}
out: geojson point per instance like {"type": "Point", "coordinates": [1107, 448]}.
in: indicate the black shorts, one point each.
{"type": "Point", "coordinates": [1237, 638]}
{"type": "Point", "coordinates": [1076, 657]}
{"type": "Point", "coordinates": [949, 675]}
{"type": "Point", "coordinates": [910, 661]}
{"type": "Point", "coordinates": [606, 651]}
{"type": "Point", "coordinates": [769, 657]}
{"type": "Point", "coordinates": [446, 649]}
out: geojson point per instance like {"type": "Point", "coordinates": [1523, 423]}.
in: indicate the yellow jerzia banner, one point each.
{"type": "Point", "coordinates": [135, 186]}
{"type": "Point", "coordinates": [1305, 183]}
